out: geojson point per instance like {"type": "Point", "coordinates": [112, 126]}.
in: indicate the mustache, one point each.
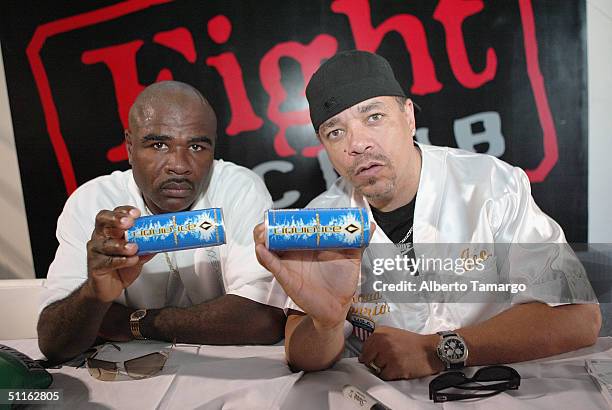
{"type": "Point", "coordinates": [365, 159]}
{"type": "Point", "coordinates": [181, 181]}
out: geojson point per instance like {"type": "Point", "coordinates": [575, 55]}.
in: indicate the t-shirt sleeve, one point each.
{"type": "Point", "coordinates": [68, 270]}
{"type": "Point", "coordinates": [534, 250]}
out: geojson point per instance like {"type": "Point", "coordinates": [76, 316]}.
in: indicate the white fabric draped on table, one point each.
{"type": "Point", "coordinates": [257, 377]}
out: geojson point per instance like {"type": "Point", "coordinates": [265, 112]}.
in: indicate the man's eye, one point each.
{"type": "Point", "coordinates": [375, 117]}
{"type": "Point", "coordinates": [334, 134]}
{"type": "Point", "coordinates": [159, 145]}
{"type": "Point", "coordinates": [196, 148]}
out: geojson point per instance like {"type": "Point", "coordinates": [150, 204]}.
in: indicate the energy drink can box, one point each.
{"type": "Point", "coordinates": [177, 231]}
{"type": "Point", "coordinates": [316, 228]}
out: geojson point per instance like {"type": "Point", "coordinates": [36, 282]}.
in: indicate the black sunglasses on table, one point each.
{"type": "Point", "coordinates": [487, 381]}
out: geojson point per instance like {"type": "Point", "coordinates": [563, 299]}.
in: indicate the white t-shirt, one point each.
{"type": "Point", "coordinates": [473, 201]}
{"type": "Point", "coordinates": [205, 273]}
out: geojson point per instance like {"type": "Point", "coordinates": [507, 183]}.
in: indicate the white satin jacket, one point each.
{"type": "Point", "coordinates": [467, 204]}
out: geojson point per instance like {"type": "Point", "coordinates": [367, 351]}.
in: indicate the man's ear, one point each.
{"type": "Point", "coordinates": [409, 106]}
{"type": "Point", "coordinates": [128, 144]}
{"type": "Point", "coordinates": [409, 112]}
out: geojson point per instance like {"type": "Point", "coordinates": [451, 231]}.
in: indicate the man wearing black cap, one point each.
{"type": "Point", "coordinates": [366, 124]}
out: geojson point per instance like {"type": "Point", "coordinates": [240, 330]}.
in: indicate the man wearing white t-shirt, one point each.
{"type": "Point", "coordinates": [98, 286]}
{"type": "Point", "coordinates": [470, 205]}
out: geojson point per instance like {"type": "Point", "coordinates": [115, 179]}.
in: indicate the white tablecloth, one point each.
{"type": "Point", "coordinates": [257, 377]}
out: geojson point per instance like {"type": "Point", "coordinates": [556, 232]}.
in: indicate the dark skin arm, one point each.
{"type": "Point", "coordinates": [70, 326]}
{"type": "Point", "coordinates": [227, 320]}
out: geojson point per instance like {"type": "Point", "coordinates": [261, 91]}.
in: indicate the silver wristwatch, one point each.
{"type": "Point", "coordinates": [452, 350]}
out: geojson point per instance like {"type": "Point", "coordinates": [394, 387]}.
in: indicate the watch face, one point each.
{"type": "Point", "coordinates": [453, 349]}
{"type": "Point", "coordinates": [139, 314]}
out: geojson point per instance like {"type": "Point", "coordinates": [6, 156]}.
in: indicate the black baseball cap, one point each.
{"type": "Point", "coordinates": [346, 79]}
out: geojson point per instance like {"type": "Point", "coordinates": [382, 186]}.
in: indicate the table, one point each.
{"type": "Point", "coordinates": [257, 377]}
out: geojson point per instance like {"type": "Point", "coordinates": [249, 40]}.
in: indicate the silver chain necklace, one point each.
{"type": "Point", "coordinates": [403, 247]}
{"type": "Point", "coordinates": [406, 237]}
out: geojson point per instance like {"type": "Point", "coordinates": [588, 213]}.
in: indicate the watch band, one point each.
{"type": "Point", "coordinates": [455, 366]}
{"type": "Point", "coordinates": [135, 318]}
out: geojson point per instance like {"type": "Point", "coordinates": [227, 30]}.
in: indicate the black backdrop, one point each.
{"type": "Point", "coordinates": [506, 78]}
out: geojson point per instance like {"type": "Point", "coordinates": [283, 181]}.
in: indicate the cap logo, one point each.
{"type": "Point", "coordinates": [330, 103]}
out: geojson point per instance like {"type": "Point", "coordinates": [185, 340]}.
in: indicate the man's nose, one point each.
{"type": "Point", "coordinates": [178, 162]}
{"type": "Point", "coordinates": [360, 140]}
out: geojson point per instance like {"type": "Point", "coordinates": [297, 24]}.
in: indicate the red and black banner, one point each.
{"type": "Point", "coordinates": [507, 78]}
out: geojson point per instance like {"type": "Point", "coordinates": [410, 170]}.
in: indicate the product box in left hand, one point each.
{"type": "Point", "coordinates": [177, 231]}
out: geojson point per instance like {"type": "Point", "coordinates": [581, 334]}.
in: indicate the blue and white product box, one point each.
{"type": "Point", "coordinates": [177, 231]}
{"type": "Point", "coordinates": [316, 228]}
